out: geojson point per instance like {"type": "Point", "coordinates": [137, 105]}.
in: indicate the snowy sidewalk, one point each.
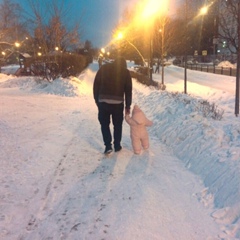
{"type": "Point", "coordinates": [56, 183]}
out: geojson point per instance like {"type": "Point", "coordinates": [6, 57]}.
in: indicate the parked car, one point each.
{"type": "Point", "coordinates": [176, 61]}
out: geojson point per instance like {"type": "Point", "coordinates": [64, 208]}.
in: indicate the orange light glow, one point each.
{"type": "Point", "coordinates": [153, 7]}
{"type": "Point", "coordinates": [204, 10]}
{"type": "Point", "coordinates": [119, 35]}
{"type": "Point", "coordinates": [17, 44]}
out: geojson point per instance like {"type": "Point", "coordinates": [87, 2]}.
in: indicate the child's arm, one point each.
{"type": "Point", "coordinates": [129, 120]}
{"type": "Point", "coordinates": [148, 123]}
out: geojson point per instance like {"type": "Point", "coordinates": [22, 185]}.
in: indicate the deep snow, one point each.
{"type": "Point", "coordinates": [55, 182]}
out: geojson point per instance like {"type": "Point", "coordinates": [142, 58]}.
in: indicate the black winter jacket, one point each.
{"type": "Point", "coordinates": [113, 82]}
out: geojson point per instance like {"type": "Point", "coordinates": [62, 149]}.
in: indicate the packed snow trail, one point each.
{"type": "Point", "coordinates": [63, 187]}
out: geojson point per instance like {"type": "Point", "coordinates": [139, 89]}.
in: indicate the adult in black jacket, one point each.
{"type": "Point", "coordinates": [111, 89]}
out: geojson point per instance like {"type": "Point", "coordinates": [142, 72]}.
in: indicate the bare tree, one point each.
{"type": "Point", "coordinates": [52, 31]}
{"type": "Point", "coordinates": [228, 21]}
{"type": "Point", "coordinates": [12, 28]}
{"type": "Point", "coordinates": [161, 40]}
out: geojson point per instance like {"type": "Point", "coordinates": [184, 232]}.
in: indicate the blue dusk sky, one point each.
{"type": "Point", "coordinates": [97, 18]}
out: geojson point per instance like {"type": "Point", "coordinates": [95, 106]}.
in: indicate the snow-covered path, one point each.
{"type": "Point", "coordinates": [56, 184]}
{"type": "Point", "coordinates": [208, 80]}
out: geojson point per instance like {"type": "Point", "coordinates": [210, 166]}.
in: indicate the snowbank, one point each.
{"type": "Point", "coordinates": [226, 64]}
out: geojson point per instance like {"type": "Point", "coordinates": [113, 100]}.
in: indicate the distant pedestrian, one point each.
{"type": "Point", "coordinates": [100, 60]}
{"type": "Point", "coordinates": [157, 67]}
{"type": "Point", "coordinates": [112, 87]}
{"type": "Point", "coordinates": [138, 131]}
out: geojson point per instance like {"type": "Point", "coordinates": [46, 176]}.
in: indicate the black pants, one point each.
{"type": "Point", "coordinates": [105, 111]}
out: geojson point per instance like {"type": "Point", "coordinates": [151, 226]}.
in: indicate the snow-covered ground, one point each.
{"type": "Point", "coordinates": [56, 184]}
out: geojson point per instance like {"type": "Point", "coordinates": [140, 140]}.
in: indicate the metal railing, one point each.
{"type": "Point", "coordinates": [228, 71]}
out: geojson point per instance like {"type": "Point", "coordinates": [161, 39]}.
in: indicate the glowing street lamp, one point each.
{"type": "Point", "coordinates": [203, 10]}
{"type": "Point", "coordinates": [17, 44]}
{"type": "Point", "coordinates": [154, 7]}
{"type": "Point", "coordinates": [119, 35]}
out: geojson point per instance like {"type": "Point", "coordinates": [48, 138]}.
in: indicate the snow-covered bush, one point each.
{"type": "Point", "coordinates": [205, 108]}
{"type": "Point", "coordinates": [210, 110]}
{"type": "Point", "coordinates": [58, 65]}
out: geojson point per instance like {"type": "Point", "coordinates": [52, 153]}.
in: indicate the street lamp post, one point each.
{"type": "Point", "coordinates": [215, 35]}
{"type": "Point", "coordinates": [151, 59]}
{"type": "Point", "coordinates": [202, 11]}
{"type": "Point", "coordinates": [120, 36]}
{"type": "Point", "coordinates": [150, 11]}
{"type": "Point", "coordinates": [130, 43]}
{"type": "Point", "coordinates": [162, 53]}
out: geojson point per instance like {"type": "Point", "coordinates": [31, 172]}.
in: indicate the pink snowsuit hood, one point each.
{"type": "Point", "coordinates": [138, 132]}
{"type": "Point", "coordinates": [139, 117]}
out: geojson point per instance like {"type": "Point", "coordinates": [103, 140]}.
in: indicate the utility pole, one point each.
{"type": "Point", "coordinates": [238, 64]}
{"type": "Point", "coordinates": [185, 55]}
{"type": "Point", "coordinates": [162, 55]}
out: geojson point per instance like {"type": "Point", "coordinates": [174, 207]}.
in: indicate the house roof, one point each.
{"type": "Point", "coordinates": [25, 55]}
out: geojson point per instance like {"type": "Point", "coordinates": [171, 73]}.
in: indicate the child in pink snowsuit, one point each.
{"type": "Point", "coordinates": [138, 132]}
